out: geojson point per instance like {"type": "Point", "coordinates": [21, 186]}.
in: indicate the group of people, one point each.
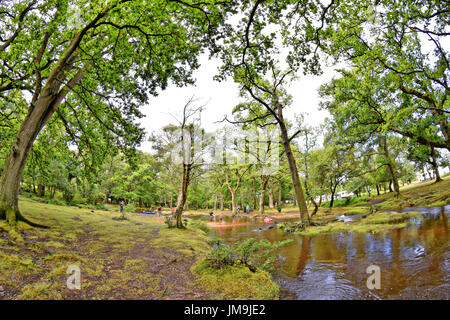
{"type": "Point", "coordinates": [247, 209]}
{"type": "Point", "coordinates": [158, 210]}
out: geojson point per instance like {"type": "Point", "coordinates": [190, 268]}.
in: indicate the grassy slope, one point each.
{"type": "Point", "coordinates": [139, 258]}
{"type": "Point", "coordinates": [423, 194]}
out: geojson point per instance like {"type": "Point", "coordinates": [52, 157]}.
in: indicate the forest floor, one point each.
{"type": "Point", "coordinates": [137, 258]}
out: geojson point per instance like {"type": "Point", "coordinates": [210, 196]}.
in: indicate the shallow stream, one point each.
{"type": "Point", "coordinates": [414, 260]}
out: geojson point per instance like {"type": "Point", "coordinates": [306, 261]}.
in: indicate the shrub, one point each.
{"type": "Point", "coordinates": [169, 221]}
{"type": "Point", "coordinates": [130, 207]}
{"type": "Point", "coordinates": [96, 197]}
{"type": "Point", "coordinates": [236, 282]}
{"type": "Point", "coordinates": [292, 227]}
{"type": "Point", "coordinates": [69, 194]}
{"type": "Point", "coordinates": [251, 253]}
{"type": "Point", "coordinates": [197, 225]}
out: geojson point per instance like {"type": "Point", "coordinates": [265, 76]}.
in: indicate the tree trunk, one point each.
{"type": "Point", "coordinates": [332, 197]}
{"type": "Point", "coordinates": [299, 195]}
{"type": "Point", "coordinates": [233, 201]}
{"type": "Point", "coordinates": [221, 202]}
{"type": "Point", "coordinates": [182, 196]}
{"type": "Point", "coordinates": [215, 201]}
{"type": "Point", "coordinates": [280, 191]}
{"type": "Point", "coordinates": [254, 192]}
{"type": "Point", "coordinates": [307, 191]}
{"type": "Point", "coordinates": [41, 190]}
{"type": "Point", "coordinates": [271, 205]}
{"type": "Point", "coordinates": [41, 110]}
{"type": "Point", "coordinates": [435, 165]}
{"type": "Point", "coordinates": [391, 166]}
{"type": "Point", "coordinates": [262, 199]}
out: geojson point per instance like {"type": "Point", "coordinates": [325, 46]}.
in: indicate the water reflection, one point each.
{"type": "Point", "coordinates": [414, 260]}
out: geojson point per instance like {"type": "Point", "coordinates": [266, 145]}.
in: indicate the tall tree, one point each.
{"type": "Point", "coordinates": [108, 58]}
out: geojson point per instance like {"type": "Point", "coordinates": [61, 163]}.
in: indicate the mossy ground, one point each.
{"type": "Point", "coordinates": [373, 223]}
{"type": "Point", "coordinates": [236, 282]}
{"type": "Point", "coordinates": [138, 258]}
{"type": "Point", "coordinates": [421, 194]}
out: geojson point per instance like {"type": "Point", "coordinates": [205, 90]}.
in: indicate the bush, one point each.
{"type": "Point", "coordinates": [236, 282]}
{"type": "Point", "coordinates": [251, 253]}
{"type": "Point", "coordinates": [96, 198]}
{"type": "Point", "coordinates": [292, 227]}
{"type": "Point", "coordinates": [130, 207]}
{"type": "Point", "coordinates": [198, 225]}
{"type": "Point", "coordinates": [69, 194]}
{"type": "Point", "coordinates": [169, 221]}
{"type": "Point", "coordinates": [26, 194]}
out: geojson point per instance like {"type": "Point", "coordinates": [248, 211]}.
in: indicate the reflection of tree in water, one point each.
{"type": "Point", "coordinates": [444, 221]}
{"type": "Point", "coordinates": [395, 276]}
{"type": "Point", "coordinates": [412, 259]}
{"type": "Point", "coordinates": [305, 252]}
{"type": "Point", "coordinates": [326, 249]}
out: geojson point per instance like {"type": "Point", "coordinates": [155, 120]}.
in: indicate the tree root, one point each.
{"type": "Point", "coordinates": [20, 217]}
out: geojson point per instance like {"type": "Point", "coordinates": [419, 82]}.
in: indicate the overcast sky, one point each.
{"type": "Point", "coordinates": [222, 97]}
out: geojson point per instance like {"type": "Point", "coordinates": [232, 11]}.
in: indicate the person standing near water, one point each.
{"type": "Point", "coordinates": [121, 207]}
{"type": "Point", "coordinates": [159, 211]}
{"type": "Point", "coordinates": [247, 208]}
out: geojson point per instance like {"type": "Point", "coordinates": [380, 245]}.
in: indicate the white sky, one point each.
{"type": "Point", "coordinates": [222, 97]}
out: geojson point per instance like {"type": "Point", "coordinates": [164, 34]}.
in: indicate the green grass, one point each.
{"type": "Point", "coordinates": [355, 211]}
{"type": "Point", "coordinates": [386, 218]}
{"type": "Point", "coordinates": [116, 258]}
{"type": "Point", "coordinates": [138, 258]}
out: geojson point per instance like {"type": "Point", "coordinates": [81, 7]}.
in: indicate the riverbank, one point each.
{"type": "Point", "coordinates": [137, 258]}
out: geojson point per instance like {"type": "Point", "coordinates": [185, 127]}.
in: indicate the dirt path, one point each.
{"type": "Point", "coordinates": [135, 259]}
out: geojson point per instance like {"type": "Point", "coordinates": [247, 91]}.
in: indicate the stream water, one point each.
{"type": "Point", "coordinates": [414, 261]}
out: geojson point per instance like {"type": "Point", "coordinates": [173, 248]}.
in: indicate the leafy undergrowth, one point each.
{"type": "Point", "coordinates": [138, 258]}
{"type": "Point", "coordinates": [240, 271]}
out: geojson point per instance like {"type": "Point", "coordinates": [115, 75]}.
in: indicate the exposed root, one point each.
{"type": "Point", "coordinates": [20, 217]}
